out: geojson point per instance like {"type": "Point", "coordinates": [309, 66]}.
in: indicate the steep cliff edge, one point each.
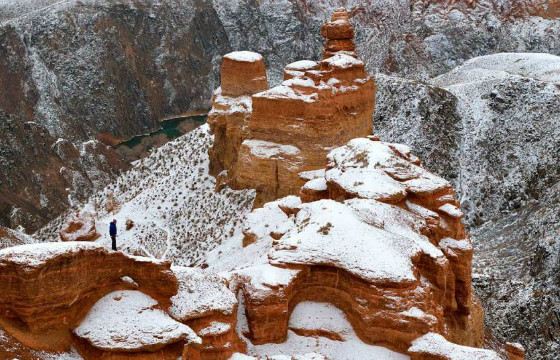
{"type": "Point", "coordinates": [500, 141]}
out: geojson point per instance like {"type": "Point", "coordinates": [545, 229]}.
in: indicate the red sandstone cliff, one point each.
{"type": "Point", "coordinates": [264, 139]}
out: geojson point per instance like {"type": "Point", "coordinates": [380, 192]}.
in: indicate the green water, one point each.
{"type": "Point", "coordinates": [172, 129]}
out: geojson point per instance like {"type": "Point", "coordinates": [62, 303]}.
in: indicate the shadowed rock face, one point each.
{"type": "Point", "coordinates": [40, 176]}
{"type": "Point", "coordinates": [500, 124]}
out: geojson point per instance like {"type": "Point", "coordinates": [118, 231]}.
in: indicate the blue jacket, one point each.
{"type": "Point", "coordinates": [113, 229]}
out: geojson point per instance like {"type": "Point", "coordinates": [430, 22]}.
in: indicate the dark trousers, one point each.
{"type": "Point", "coordinates": [114, 242]}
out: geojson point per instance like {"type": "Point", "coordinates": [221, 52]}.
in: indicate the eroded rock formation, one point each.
{"type": "Point", "coordinates": [265, 139]}
{"type": "Point", "coordinates": [371, 232]}
{"type": "Point", "coordinates": [381, 238]}
{"type": "Point", "coordinates": [47, 288]}
{"type": "Point", "coordinates": [130, 324]}
{"type": "Point", "coordinates": [205, 304]}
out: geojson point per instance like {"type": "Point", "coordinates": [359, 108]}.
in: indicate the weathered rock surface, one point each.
{"type": "Point", "coordinates": [291, 127]}
{"type": "Point", "coordinates": [434, 347]}
{"type": "Point", "coordinates": [422, 116]}
{"type": "Point", "coordinates": [500, 119]}
{"type": "Point", "coordinates": [121, 307]}
{"type": "Point", "coordinates": [205, 304]}
{"type": "Point", "coordinates": [47, 288]}
{"type": "Point", "coordinates": [416, 234]}
{"type": "Point", "coordinates": [128, 321]}
{"type": "Point", "coordinates": [80, 227]}
{"type": "Point", "coordinates": [243, 73]}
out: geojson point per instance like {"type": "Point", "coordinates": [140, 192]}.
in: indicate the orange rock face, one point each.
{"type": "Point", "coordinates": [243, 72]}
{"type": "Point", "coordinates": [339, 34]}
{"type": "Point", "coordinates": [47, 288]}
{"type": "Point", "coordinates": [265, 142]}
{"type": "Point", "coordinates": [206, 305]}
{"type": "Point", "coordinates": [374, 234]}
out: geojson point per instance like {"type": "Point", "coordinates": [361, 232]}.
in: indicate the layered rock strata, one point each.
{"type": "Point", "coordinates": [263, 140]}
{"type": "Point", "coordinates": [376, 235]}
{"type": "Point", "coordinates": [339, 34]}
{"type": "Point", "coordinates": [206, 305]}
{"type": "Point", "coordinates": [47, 288]}
{"type": "Point", "coordinates": [107, 305]}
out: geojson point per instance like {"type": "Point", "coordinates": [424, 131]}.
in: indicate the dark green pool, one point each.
{"type": "Point", "coordinates": [140, 145]}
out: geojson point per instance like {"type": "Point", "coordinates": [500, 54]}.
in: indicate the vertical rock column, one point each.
{"type": "Point", "coordinates": [339, 34]}
{"type": "Point", "coordinates": [265, 141]}
{"type": "Point", "coordinates": [243, 74]}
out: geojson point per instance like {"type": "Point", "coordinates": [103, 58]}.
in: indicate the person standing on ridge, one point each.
{"type": "Point", "coordinates": [113, 234]}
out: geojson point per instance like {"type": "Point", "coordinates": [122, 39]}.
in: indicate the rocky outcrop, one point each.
{"type": "Point", "coordinates": [47, 288]}
{"type": "Point", "coordinates": [129, 324]}
{"type": "Point", "coordinates": [205, 304]}
{"type": "Point", "coordinates": [230, 113]}
{"type": "Point", "coordinates": [79, 227]}
{"type": "Point", "coordinates": [289, 128]}
{"type": "Point", "coordinates": [107, 305]}
{"type": "Point", "coordinates": [380, 204]}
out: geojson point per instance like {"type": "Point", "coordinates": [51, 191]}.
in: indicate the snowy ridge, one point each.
{"type": "Point", "coordinates": [34, 255]}
{"type": "Point", "coordinates": [177, 214]}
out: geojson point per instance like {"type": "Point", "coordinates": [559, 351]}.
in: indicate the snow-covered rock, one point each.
{"type": "Point", "coordinates": [200, 294]}
{"type": "Point", "coordinates": [435, 346]}
{"type": "Point", "coordinates": [129, 321]}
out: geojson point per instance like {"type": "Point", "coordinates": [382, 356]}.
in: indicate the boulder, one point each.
{"type": "Point", "coordinates": [79, 227]}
